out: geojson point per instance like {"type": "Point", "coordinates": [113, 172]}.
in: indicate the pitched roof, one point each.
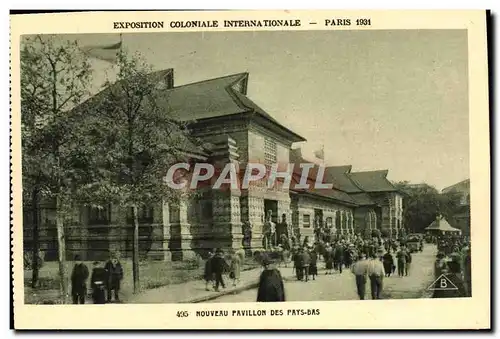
{"type": "Point", "coordinates": [224, 96]}
{"type": "Point", "coordinates": [458, 187]}
{"type": "Point", "coordinates": [441, 224]}
{"type": "Point", "coordinates": [333, 193]}
{"type": "Point", "coordinates": [338, 175]}
{"type": "Point", "coordinates": [372, 181]}
{"type": "Point", "coordinates": [362, 199]}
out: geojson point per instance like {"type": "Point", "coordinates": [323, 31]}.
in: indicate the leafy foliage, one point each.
{"type": "Point", "coordinates": [423, 203]}
{"type": "Point", "coordinates": [133, 138]}
{"type": "Point", "coordinates": [54, 78]}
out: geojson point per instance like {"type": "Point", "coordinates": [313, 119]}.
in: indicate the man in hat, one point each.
{"type": "Point", "coordinates": [219, 265]}
{"type": "Point", "coordinates": [271, 287]}
{"type": "Point", "coordinates": [360, 271]}
{"type": "Point", "coordinates": [115, 275]}
{"type": "Point", "coordinates": [79, 278]}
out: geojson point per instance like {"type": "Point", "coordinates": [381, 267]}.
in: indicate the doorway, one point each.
{"type": "Point", "coordinates": [318, 218]}
{"type": "Point", "coordinates": [271, 205]}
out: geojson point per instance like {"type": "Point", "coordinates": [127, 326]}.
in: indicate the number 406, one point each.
{"type": "Point", "coordinates": [363, 22]}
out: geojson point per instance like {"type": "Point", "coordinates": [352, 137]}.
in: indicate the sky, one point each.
{"type": "Point", "coordinates": [395, 100]}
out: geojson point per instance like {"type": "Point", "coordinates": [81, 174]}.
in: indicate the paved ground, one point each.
{"type": "Point", "coordinates": [194, 291]}
{"type": "Point", "coordinates": [342, 286]}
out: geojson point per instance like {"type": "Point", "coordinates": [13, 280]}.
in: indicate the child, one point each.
{"type": "Point", "coordinates": [98, 283]}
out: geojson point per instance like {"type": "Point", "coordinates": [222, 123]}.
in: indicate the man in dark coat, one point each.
{"type": "Point", "coordinates": [79, 278]}
{"type": "Point", "coordinates": [98, 283]}
{"type": "Point", "coordinates": [115, 275]}
{"type": "Point", "coordinates": [219, 265]}
{"type": "Point", "coordinates": [271, 287]}
{"type": "Point", "coordinates": [298, 260]}
{"type": "Point", "coordinates": [209, 274]}
{"type": "Point", "coordinates": [339, 257]}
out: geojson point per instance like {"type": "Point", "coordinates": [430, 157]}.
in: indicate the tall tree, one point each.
{"type": "Point", "coordinates": [423, 203]}
{"type": "Point", "coordinates": [139, 142]}
{"type": "Point", "coordinates": [54, 77]}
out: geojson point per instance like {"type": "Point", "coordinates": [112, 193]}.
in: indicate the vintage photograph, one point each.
{"type": "Point", "coordinates": [381, 115]}
{"type": "Point", "coordinates": [203, 170]}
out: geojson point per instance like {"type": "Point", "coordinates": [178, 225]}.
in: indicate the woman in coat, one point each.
{"type": "Point", "coordinates": [235, 267]}
{"type": "Point", "coordinates": [328, 259]}
{"type": "Point", "coordinates": [388, 262]}
{"type": "Point", "coordinates": [271, 286]}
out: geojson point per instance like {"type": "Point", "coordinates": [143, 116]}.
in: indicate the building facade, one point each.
{"type": "Point", "coordinates": [235, 131]}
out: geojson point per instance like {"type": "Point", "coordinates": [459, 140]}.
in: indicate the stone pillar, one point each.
{"type": "Point", "coordinates": [252, 211]}
{"type": "Point", "coordinates": [386, 220]}
{"type": "Point", "coordinates": [351, 220]}
{"type": "Point", "coordinates": [227, 225]}
{"type": "Point", "coordinates": [342, 222]}
{"type": "Point", "coordinates": [335, 227]}
{"type": "Point", "coordinates": [160, 233]}
{"type": "Point", "coordinates": [180, 231]}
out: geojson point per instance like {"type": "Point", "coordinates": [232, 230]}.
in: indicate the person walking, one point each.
{"type": "Point", "coordinates": [408, 262]}
{"type": "Point", "coordinates": [388, 262]}
{"type": "Point", "coordinates": [339, 257]}
{"type": "Point", "coordinates": [376, 274]}
{"type": "Point", "coordinates": [79, 278]}
{"type": "Point", "coordinates": [313, 266]}
{"type": "Point", "coordinates": [219, 265]}
{"type": "Point", "coordinates": [328, 256]}
{"type": "Point", "coordinates": [235, 267]}
{"type": "Point", "coordinates": [115, 275]}
{"type": "Point", "coordinates": [401, 256]}
{"type": "Point", "coordinates": [208, 274]}
{"type": "Point", "coordinates": [271, 287]}
{"type": "Point", "coordinates": [306, 262]}
{"type": "Point", "coordinates": [360, 271]}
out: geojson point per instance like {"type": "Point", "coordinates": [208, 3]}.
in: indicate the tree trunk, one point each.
{"type": "Point", "coordinates": [135, 254]}
{"type": "Point", "coordinates": [36, 238]}
{"type": "Point", "coordinates": [61, 245]}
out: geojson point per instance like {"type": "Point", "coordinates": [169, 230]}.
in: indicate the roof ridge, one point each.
{"type": "Point", "coordinates": [373, 171]}
{"type": "Point", "coordinates": [349, 167]}
{"type": "Point", "coordinates": [209, 80]}
{"type": "Point", "coordinates": [458, 183]}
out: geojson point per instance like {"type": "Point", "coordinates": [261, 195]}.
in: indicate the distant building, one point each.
{"type": "Point", "coordinates": [461, 218]}
{"type": "Point", "coordinates": [220, 113]}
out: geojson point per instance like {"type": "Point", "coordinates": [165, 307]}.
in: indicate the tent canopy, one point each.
{"type": "Point", "coordinates": [440, 224]}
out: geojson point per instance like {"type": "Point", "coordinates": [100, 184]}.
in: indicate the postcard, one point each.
{"type": "Point", "coordinates": [250, 170]}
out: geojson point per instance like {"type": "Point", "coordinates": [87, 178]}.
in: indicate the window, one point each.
{"type": "Point", "coordinates": [270, 152]}
{"type": "Point", "coordinates": [98, 216]}
{"type": "Point", "coordinates": [306, 221]}
{"type": "Point", "coordinates": [144, 215]}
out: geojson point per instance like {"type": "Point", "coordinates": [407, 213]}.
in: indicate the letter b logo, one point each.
{"type": "Point", "coordinates": [443, 283]}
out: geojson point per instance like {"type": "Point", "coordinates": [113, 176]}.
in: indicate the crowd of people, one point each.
{"type": "Point", "coordinates": [368, 259]}
{"type": "Point", "coordinates": [218, 264]}
{"type": "Point", "coordinates": [105, 280]}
